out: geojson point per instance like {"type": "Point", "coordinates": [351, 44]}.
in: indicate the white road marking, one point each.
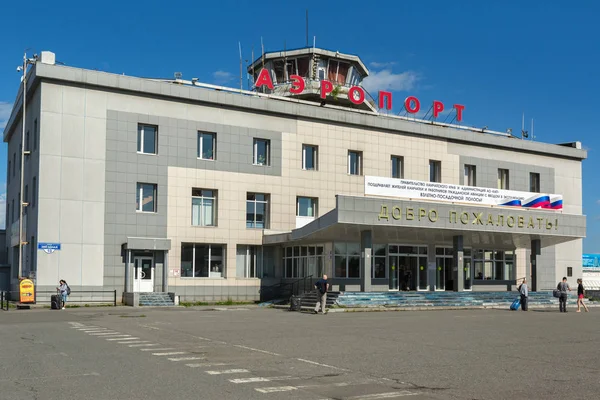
{"type": "Point", "coordinates": [122, 338]}
{"type": "Point", "coordinates": [104, 333]}
{"type": "Point", "coordinates": [93, 330]}
{"type": "Point", "coordinates": [172, 353]}
{"type": "Point", "coordinates": [144, 345]}
{"type": "Point", "coordinates": [388, 395]}
{"type": "Point", "coordinates": [200, 365]}
{"type": "Point", "coordinates": [276, 389]}
{"type": "Point", "coordinates": [259, 350]}
{"type": "Point", "coordinates": [322, 365]}
{"type": "Point", "coordinates": [165, 348]}
{"type": "Point", "coordinates": [137, 341]}
{"type": "Point", "coordinates": [228, 371]}
{"type": "Point", "coordinates": [261, 379]}
{"type": "Point", "coordinates": [338, 384]}
{"type": "Point", "coordinates": [187, 358]}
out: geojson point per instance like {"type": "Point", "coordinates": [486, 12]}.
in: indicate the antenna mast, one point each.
{"type": "Point", "coordinates": [241, 69]}
{"type": "Point", "coordinates": [307, 27]}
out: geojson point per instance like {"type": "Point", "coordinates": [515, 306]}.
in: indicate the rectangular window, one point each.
{"type": "Point", "coordinates": [202, 260]}
{"type": "Point", "coordinates": [257, 210]}
{"type": "Point", "coordinates": [309, 157]}
{"type": "Point", "coordinates": [27, 148]}
{"type": "Point", "coordinates": [32, 251]}
{"type": "Point", "coordinates": [435, 171]}
{"type": "Point", "coordinates": [347, 260]}
{"type": "Point", "coordinates": [354, 162]}
{"type": "Point", "coordinates": [247, 261]}
{"type": "Point", "coordinates": [303, 261]}
{"type": "Point", "coordinates": [470, 175]}
{"type": "Point", "coordinates": [306, 207]}
{"type": "Point", "coordinates": [14, 164]}
{"type": "Point", "coordinates": [204, 207]}
{"type": "Point", "coordinates": [503, 179]}
{"type": "Point", "coordinates": [207, 146]}
{"type": "Point", "coordinates": [33, 191]}
{"type": "Point", "coordinates": [145, 199]}
{"type": "Point", "coordinates": [8, 174]}
{"type": "Point", "coordinates": [494, 264]}
{"type": "Point", "coordinates": [262, 152]}
{"type": "Point", "coordinates": [534, 182]}
{"type": "Point", "coordinates": [35, 134]}
{"type": "Point", "coordinates": [12, 207]}
{"type": "Point", "coordinates": [397, 167]}
{"type": "Point", "coordinates": [147, 139]}
{"type": "Point", "coordinates": [569, 271]}
{"type": "Point", "coordinates": [379, 259]}
{"type": "Point", "coordinates": [26, 194]}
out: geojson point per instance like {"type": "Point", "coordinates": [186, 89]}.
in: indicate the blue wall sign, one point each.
{"type": "Point", "coordinates": [49, 247]}
{"type": "Point", "coordinates": [591, 261]}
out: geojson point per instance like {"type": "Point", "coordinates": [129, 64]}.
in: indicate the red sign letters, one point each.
{"type": "Point", "coordinates": [356, 95]}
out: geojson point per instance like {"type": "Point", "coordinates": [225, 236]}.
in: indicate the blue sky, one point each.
{"type": "Point", "coordinates": [499, 59]}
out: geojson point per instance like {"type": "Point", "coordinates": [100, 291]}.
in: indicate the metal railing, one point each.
{"type": "Point", "coordinates": [285, 289]}
{"type": "Point", "coordinates": [76, 297]}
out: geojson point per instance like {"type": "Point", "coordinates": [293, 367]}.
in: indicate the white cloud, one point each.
{"type": "Point", "coordinates": [598, 202]}
{"type": "Point", "coordinates": [387, 80]}
{"type": "Point", "coordinates": [5, 109]}
{"type": "Point", "coordinates": [222, 76]}
{"type": "Point", "coordinates": [378, 65]}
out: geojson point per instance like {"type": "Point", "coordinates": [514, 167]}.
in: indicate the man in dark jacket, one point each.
{"type": "Point", "coordinates": [563, 287]}
{"type": "Point", "coordinates": [322, 286]}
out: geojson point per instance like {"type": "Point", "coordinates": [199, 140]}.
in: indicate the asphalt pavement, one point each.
{"type": "Point", "coordinates": [256, 353]}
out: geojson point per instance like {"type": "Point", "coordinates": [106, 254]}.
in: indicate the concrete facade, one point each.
{"type": "Point", "coordinates": [86, 168]}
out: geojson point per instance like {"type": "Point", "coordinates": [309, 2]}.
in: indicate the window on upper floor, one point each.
{"type": "Point", "coordinates": [145, 199]}
{"type": "Point", "coordinates": [147, 139]}
{"type": "Point", "coordinates": [204, 207]}
{"type": "Point", "coordinates": [14, 164]}
{"type": "Point", "coordinates": [207, 146]}
{"type": "Point", "coordinates": [503, 179]}
{"type": "Point", "coordinates": [261, 152]}
{"type": "Point", "coordinates": [309, 157]}
{"type": "Point", "coordinates": [257, 210]}
{"type": "Point", "coordinates": [33, 191]}
{"type": "Point", "coordinates": [470, 175]}
{"type": "Point", "coordinates": [27, 148]}
{"type": "Point", "coordinates": [8, 172]}
{"type": "Point", "coordinates": [354, 162]}
{"type": "Point", "coordinates": [398, 167]}
{"type": "Point", "coordinates": [435, 171]}
{"type": "Point", "coordinates": [35, 134]}
{"type": "Point", "coordinates": [306, 206]}
{"type": "Point", "coordinates": [534, 182]}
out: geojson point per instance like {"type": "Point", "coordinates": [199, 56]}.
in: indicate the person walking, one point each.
{"type": "Point", "coordinates": [322, 286]}
{"type": "Point", "coordinates": [64, 290]}
{"type": "Point", "coordinates": [563, 287]}
{"type": "Point", "coordinates": [580, 296]}
{"type": "Point", "coordinates": [524, 292]}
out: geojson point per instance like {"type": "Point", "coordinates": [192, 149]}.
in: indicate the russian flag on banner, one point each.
{"type": "Point", "coordinates": [511, 202]}
{"type": "Point", "coordinates": [538, 201]}
{"type": "Point", "coordinates": [556, 203]}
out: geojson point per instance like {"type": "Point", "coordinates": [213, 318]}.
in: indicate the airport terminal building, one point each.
{"type": "Point", "coordinates": [166, 185]}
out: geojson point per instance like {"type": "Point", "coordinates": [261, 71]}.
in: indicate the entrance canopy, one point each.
{"type": "Point", "coordinates": [407, 221]}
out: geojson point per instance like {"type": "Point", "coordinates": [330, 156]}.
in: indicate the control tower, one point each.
{"type": "Point", "coordinates": [314, 65]}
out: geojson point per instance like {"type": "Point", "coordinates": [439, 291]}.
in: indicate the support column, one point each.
{"type": "Point", "coordinates": [127, 271]}
{"type": "Point", "coordinates": [366, 260]}
{"type": "Point", "coordinates": [458, 269]}
{"type": "Point", "coordinates": [165, 272]}
{"type": "Point", "coordinates": [536, 250]}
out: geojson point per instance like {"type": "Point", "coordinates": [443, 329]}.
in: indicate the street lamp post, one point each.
{"type": "Point", "coordinates": [24, 152]}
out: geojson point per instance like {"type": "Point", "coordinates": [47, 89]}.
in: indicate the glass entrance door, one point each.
{"type": "Point", "coordinates": [143, 274]}
{"type": "Point", "coordinates": [393, 273]}
{"type": "Point", "coordinates": [468, 274]}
